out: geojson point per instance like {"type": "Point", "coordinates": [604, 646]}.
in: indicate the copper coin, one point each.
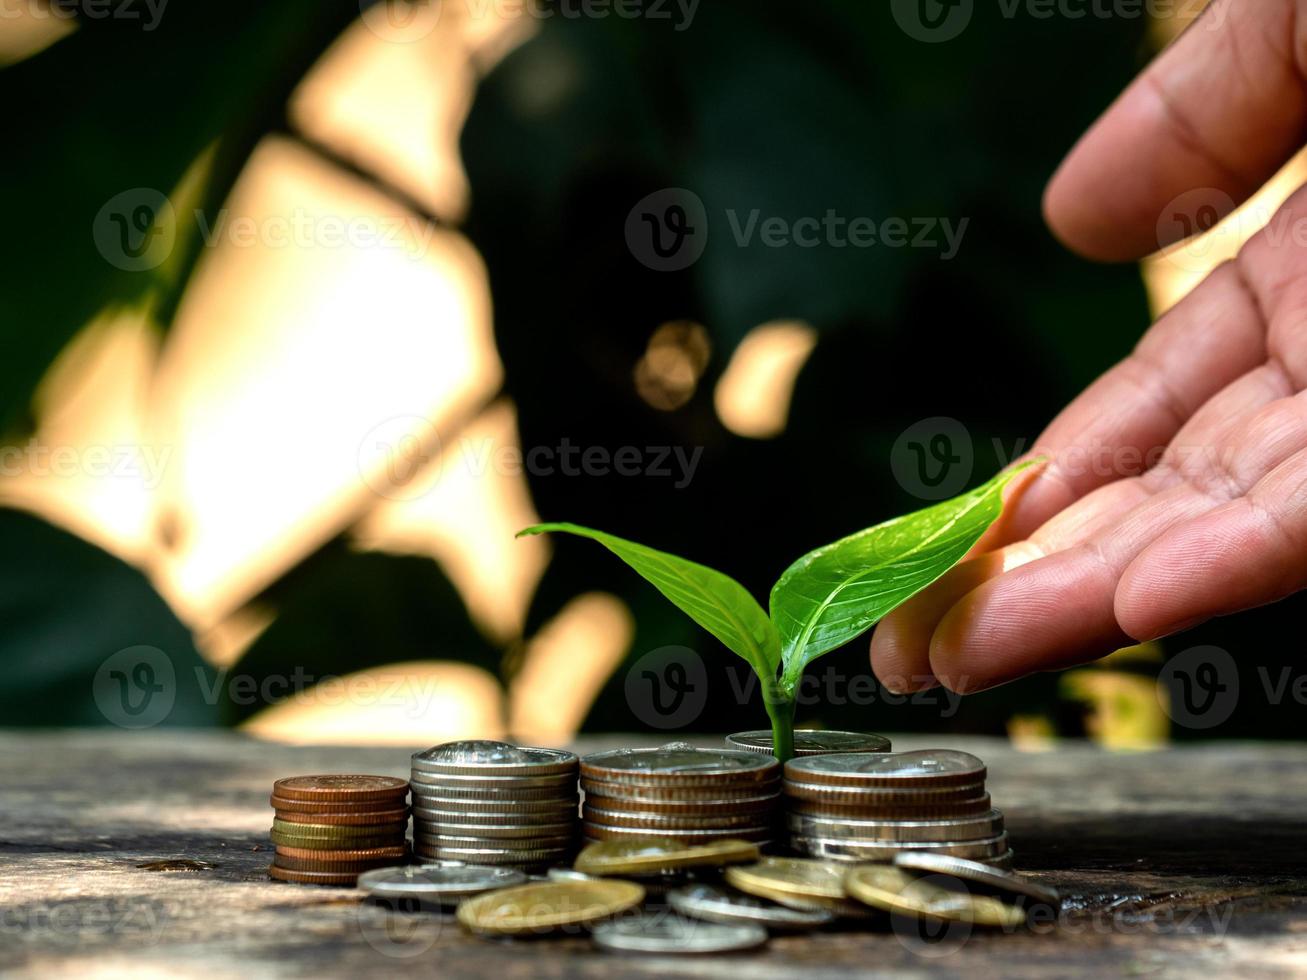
{"type": "Point", "coordinates": [658, 821]}
{"type": "Point", "coordinates": [288, 863]}
{"type": "Point", "coordinates": [345, 879]}
{"type": "Point", "coordinates": [686, 808]}
{"type": "Point", "coordinates": [394, 852]}
{"type": "Point", "coordinates": [341, 788]}
{"type": "Point", "coordinates": [380, 818]}
{"type": "Point", "coordinates": [681, 794]}
{"type": "Point", "coordinates": [598, 831]}
{"type": "Point", "coordinates": [329, 806]}
{"type": "Point", "coordinates": [907, 811]}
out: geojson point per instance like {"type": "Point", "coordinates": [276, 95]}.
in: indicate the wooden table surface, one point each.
{"type": "Point", "coordinates": [1182, 862]}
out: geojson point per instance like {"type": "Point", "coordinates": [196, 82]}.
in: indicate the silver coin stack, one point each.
{"type": "Point", "coordinates": [491, 803]}
{"type": "Point", "coordinates": [681, 793]}
{"type": "Point", "coordinates": [874, 806]}
{"type": "Point", "coordinates": [810, 741]}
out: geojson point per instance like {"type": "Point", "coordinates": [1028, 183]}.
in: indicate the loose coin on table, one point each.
{"type": "Point", "coordinates": [979, 875]}
{"type": "Point", "coordinates": [714, 904]}
{"type": "Point", "coordinates": [656, 855]}
{"type": "Point", "coordinates": [442, 884]}
{"type": "Point", "coordinates": [542, 907]}
{"type": "Point", "coordinates": [895, 890]}
{"type": "Point", "coordinates": [810, 742]}
{"type": "Point", "coordinates": [784, 880]}
{"type": "Point", "coordinates": [673, 934]}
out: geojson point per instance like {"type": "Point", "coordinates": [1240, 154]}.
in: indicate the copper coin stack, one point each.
{"type": "Point", "coordinates": [330, 829]}
{"type": "Point", "coordinates": [492, 803]}
{"type": "Point", "coordinates": [681, 793]}
{"type": "Point", "coordinates": [873, 806]}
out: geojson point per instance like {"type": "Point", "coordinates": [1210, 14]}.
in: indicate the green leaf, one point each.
{"type": "Point", "coordinates": [715, 601]}
{"type": "Point", "coordinates": [833, 594]}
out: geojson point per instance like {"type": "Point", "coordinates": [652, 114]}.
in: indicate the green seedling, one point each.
{"type": "Point", "coordinates": [825, 599]}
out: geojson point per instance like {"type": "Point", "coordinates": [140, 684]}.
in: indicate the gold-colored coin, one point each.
{"type": "Point", "coordinates": [326, 831]}
{"type": "Point", "coordinates": [546, 906]}
{"type": "Point", "coordinates": [328, 844]}
{"type": "Point", "coordinates": [895, 890]}
{"type": "Point", "coordinates": [655, 855]}
{"type": "Point", "coordinates": [798, 882]}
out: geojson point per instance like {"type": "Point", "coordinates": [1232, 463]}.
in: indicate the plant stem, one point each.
{"type": "Point", "coordinates": [781, 712]}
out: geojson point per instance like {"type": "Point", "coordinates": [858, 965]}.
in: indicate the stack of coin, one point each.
{"type": "Point", "coordinates": [872, 806]}
{"type": "Point", "coordinates": [329, 829]}
{"type": "Point", "coordinates": [491, 803]}
{"type": "Point", "coordinates": [810, 742]}
{"type": "Point", "coordinates": [676, 792]}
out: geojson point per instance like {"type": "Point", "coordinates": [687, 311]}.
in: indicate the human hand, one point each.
{"type": "Point", "coordinates": [1201, 506]}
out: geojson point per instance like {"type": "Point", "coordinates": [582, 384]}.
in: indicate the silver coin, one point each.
{"type": "Point", "coordinates": [493, 800]}
{"type": "Point", "coordinates": [432, 828]}
{"type": "Point", "coordinates": [567, 874]}
{"type": "Point", "coordinates": [986, 876]}
{"type": "Point", "coordinates": [656, 823]}
{"type": "Point", "coordinates": [678, 764]}
{"type": "Point", "coordinates": [848, 850]}
{"type": "Point", "coordinates": [491, 818]}
{"type": "Point", "coordinates": [811, 742]}
{"type": "Point", "coordinates": [929, 767]}
{"type": "Point", "coordinates": [439, 882]}
{"type": "Point", "coordinates": [494, 856]}
{"type": "Point", "coordinates": [611, 831]}
{"type": "Point", "coordinates": [538, 843]}
{"type": "Point", "coordinates": [960, 829]}
{"type": "Point", "coordinates": [674, 934]}
{"type": "Point", "coordinates": [562, 781]}
{"type": "Point", "coordinates": [482, 757]}
{"type": "Point", "coordinates": [719, 905]}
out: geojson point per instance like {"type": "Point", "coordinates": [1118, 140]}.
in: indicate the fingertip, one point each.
{"type": "Point", "coordinates": [899, 656]}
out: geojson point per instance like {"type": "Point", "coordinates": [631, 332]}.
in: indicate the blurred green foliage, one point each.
{"type": "Point", "coordinates": [791, 109]}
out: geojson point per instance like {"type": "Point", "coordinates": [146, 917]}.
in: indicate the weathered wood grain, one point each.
{"type": "Point", "coordinates": [1178, 863]}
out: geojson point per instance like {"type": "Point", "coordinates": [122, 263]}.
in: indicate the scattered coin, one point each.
{"type": "Point", "coordinates": [567, 874]}
{"type": "Point", "coordinates": [542, 907]}
{"type": "Point", "coordinates": [714, 904]}
{"type": "Point", "coordinates": [895, 890]}
{"type": "Point", "coordinates": [978, 875]}
{"type": "Point", "coordinates": [810, 742]}
{"type": "Point", "coordinates": [442, 884]}
{"type": "Point", "coordinates": [674, 934]}
{"type": "Point", "coordinates": [656, 855]}
{"type": "Point", "coordinates": [812, 881]}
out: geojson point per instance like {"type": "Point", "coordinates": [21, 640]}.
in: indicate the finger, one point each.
{"type": "Point", "coordinates": [900, 647]}
{"type": "Point", "coordinates": [1117, 427]}
{"type": "Point", "coordinates": [1245, 553]}
{"type": "Point", "coordinates": [1221, 109]}
{"type": "Point", "coordinates": [1062, 609]}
